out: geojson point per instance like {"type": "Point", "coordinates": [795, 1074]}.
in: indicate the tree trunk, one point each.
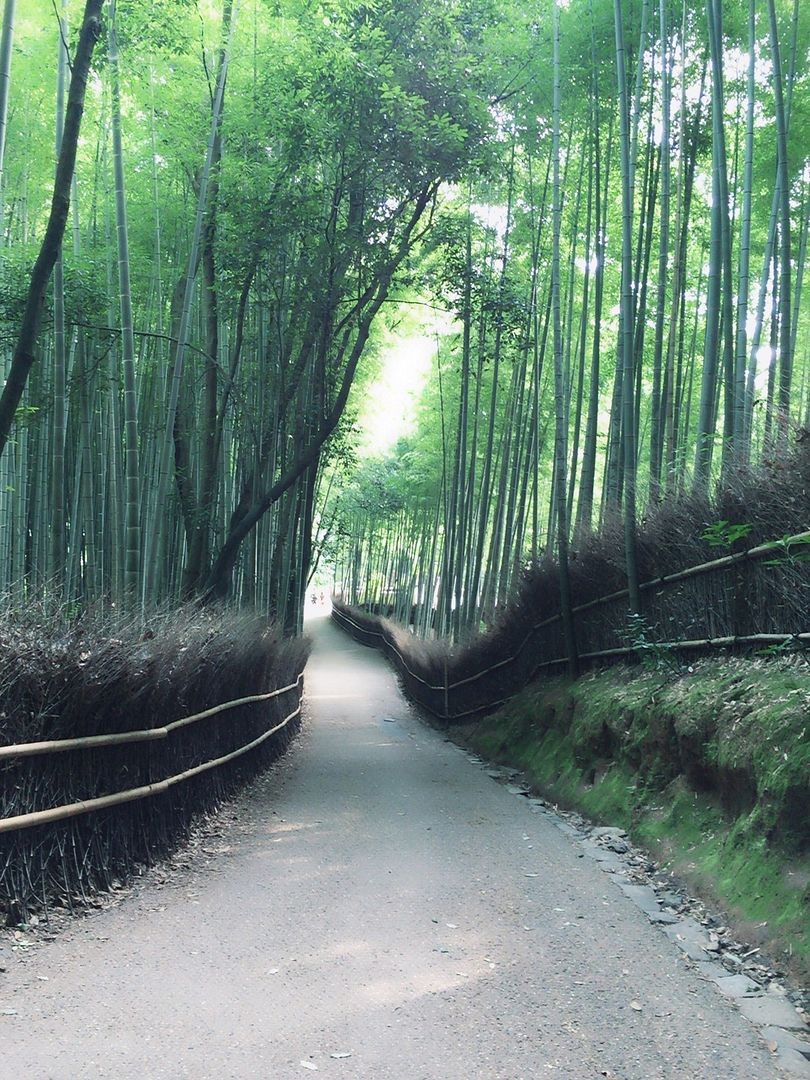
{"type": "Point", "coordinates": [23, 357]}
{"type": "Point", "coordinates": [132, 529]}
{"type": "Point", "coordinates": [627, 333]}
{"type": "Point", "coordinates": [783, 187]}
{"type": "Point", "coordinates": [560, 448]}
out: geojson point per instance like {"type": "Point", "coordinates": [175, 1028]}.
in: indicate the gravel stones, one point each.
{"type": "Point", "coordinates": [735, 986]}
{"type": "Point", "coordinates": [767, 1009]}
{"type": "Point", "coordinates": [735, 969]}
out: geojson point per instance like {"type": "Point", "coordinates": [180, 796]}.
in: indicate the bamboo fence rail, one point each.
{"type": "Point", "coordinates": [83, 806]}
{"type": "Point", "coordinates": [86, 742]}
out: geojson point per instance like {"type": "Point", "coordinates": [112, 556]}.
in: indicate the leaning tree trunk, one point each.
{"type": "Point", "coordinates": [23, 357]}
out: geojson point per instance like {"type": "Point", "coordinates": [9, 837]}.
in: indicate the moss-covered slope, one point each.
{"type": "Point", "coordinates": [708, 768]}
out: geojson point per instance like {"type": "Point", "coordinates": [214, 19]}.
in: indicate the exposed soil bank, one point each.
{"type": "Point", "coordinates": [708, 769]}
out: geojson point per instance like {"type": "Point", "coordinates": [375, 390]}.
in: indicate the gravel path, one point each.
{"type": "Point", "coordinates": [379, 909]}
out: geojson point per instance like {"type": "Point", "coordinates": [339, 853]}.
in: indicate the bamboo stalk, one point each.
{"type": "Point", "coordinates": [55, 746]}
{"type": "Point", "coordinates": [86, 806]}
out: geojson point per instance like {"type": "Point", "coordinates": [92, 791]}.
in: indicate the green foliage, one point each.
{"type": "Point", "coordinates": [793, 551]}
{"type": "Point", "coordinates": [169, 27]}
{"type": "Point", "coordinates": [14, 277]}
{"type": "Point", "coordinates": [654, 655]}
{"type": "Point", "coordinates": [85, 293]}
{"type": "Point", "coordinates": [376, 487]}
{"type": "Point", "coordinates": [723, 534]}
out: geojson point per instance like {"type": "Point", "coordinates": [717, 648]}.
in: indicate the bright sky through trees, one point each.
{"type": "Point", "coordinates": [387, 411]}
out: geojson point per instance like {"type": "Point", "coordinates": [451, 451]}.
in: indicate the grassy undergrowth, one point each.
{"type": "Point", "coordinates": [709, 770]}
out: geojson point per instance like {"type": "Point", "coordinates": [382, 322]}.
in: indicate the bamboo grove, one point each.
{"type": "Point", "coordinates": [629, 321]}
{"type": "Point", "coordinates": [248, 181]}
{"type": "Point", "coordinates": [216, 215]}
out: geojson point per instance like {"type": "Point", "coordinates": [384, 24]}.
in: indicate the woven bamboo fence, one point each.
{"type": "Point", "coordinates": [755, 599]}
{"type": "Point", "coordinates": [77, 814]}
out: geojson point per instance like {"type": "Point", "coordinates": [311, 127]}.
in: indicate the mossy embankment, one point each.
{"type": "Point", "coordinates": [708, 769]}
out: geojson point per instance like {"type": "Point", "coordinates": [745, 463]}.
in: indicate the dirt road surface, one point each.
{"type": "Point", "coordinates": [380, 909]}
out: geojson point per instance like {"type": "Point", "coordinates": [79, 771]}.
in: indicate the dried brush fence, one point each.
{"type": "Point", "coordinates": [112, 740]}
{"type": "Point", "coordinates": [754, 599]}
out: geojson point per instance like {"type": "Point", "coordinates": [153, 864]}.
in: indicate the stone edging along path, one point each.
{"type": "Point", "coordinates": [782, 1017]}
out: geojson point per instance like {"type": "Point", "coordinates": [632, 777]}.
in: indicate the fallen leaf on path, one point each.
{"type": "Point", "coordinates": [309, 1065]}
{"type": "Point", "coordinates": [452, 925]}
{"type": "Point", "coordinates": [340, 1054]}
{"type": "Point", "coordinates": [8, 1012]}
{"type": "Point", "coordinates": [636, 1005]}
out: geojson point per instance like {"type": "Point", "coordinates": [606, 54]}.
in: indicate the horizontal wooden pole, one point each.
{"type": "Point", "coordinates": [391, 646]}
{"type": "Point", "coordinates": [700, 643]}
{"type": "Point", "coordinates": [685, 646]}
{"type": "Point", "coordinates": [87, 742]}
{"type": "Point", "coordinates": [627, 650]}
{"type": "Point", "coordinates": [102, 802]}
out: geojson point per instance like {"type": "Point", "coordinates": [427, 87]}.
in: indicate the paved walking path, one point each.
{"type": "Point", "coordinates": [380, 909]}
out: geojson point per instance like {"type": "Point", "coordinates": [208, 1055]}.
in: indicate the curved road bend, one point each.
{"type": "Point", "coordinates": [383, 911]}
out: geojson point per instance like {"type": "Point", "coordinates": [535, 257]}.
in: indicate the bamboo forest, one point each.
{"type": "Point", "coordinates": [220, 224]}
{"type": "Point", "coordinates": [404, 539]}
